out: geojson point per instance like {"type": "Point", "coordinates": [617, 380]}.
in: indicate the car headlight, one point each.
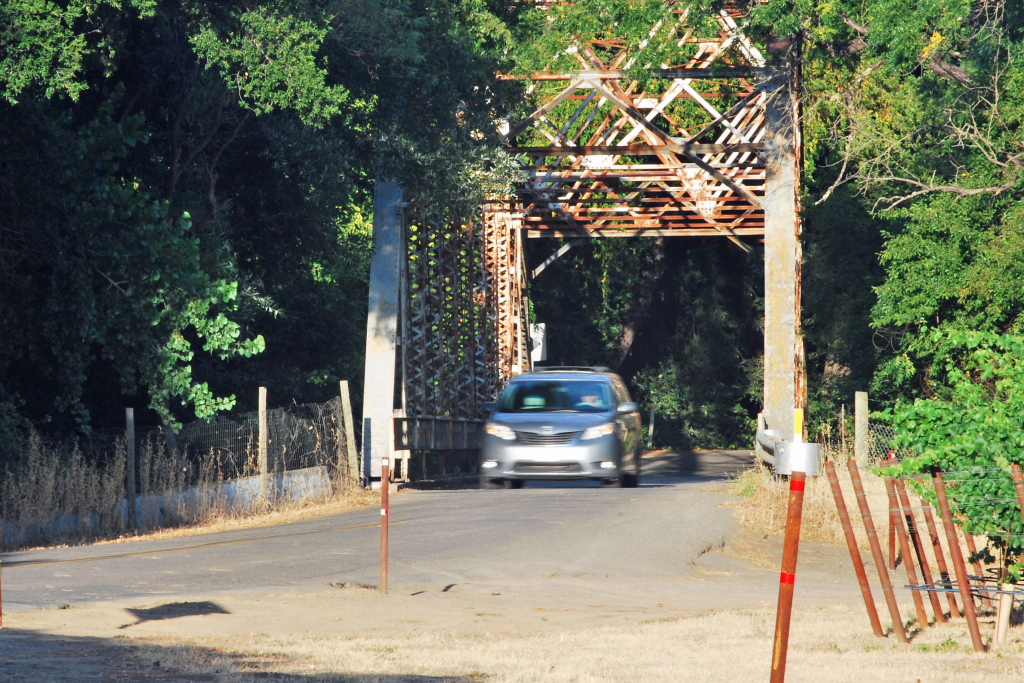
{"type": "Point", "coordinates": [598, 430]}
{"type": "Point", "coordinates": [501, 431]}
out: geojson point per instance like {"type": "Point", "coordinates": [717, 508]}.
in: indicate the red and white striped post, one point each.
{"type": "Point", "coordinates": [796, 459]}
{"type": "Point", "coordinates": [385, 479]}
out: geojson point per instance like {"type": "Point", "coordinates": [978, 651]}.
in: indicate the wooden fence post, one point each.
{"type": "Point", "coordinates": [263, 446]}
{"type": "Point", "coordinates": [650, 430]}
{"type": "Point", "coordinates": [129, 418]}
{"type": "Point", "coordinates": [861, 443]}
{"type": "Point", "coordinates": [350, 436]}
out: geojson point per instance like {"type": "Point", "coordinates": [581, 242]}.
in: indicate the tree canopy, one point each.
{"type": "Point", "coordinates": [185, 193]}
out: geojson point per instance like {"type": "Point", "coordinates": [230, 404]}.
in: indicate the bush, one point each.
{"type": "Point", "coordinates": [973, 427]}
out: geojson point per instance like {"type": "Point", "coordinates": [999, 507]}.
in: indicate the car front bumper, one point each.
{"type": "Point", "coordinates": [578, 460]}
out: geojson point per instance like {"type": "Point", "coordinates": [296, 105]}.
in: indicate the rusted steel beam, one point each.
{"type": "Point", "coordinates": [876, 552]}
{"type": "Point", "coordinates": [640, 150]}
{"type": "Point", "coordinates": [851, 545]}
{"type": "Point", "coordinates": [908, 558]}
{"type": "Point", "coordinates": [922, 559]}
{"type": "Point", "coordinates": [940, 558]}
{"type": "Point", "coordinates": [963, 583]}
{"type": "Point", "coordinates": [642, 232]}
{"type": "Point", "coordinates": [979, 571]}
{"type": "Point", "coordinates": [618, 74]}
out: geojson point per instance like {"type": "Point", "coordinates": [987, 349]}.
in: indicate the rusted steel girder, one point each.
{"type": "Point", "coordinates": [463, 319]}
{"type": "Point", "coordinates": [684, 153]}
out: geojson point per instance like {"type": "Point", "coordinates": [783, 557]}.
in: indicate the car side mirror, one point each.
{"type": "Point", "coordinates": [491, 407]}
{"type": "Point", "coordinates": [628, 407]}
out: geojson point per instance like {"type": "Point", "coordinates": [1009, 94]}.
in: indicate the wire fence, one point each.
{"type": "Point", "coordinates": [880, 438]}
{"type": "Point", "coordinates": [299, 436]}
{"type": "Point", "coordinates": [75, 485]}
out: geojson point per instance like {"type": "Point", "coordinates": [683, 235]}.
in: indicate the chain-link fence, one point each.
{"type": "Point", "coordinates": [880, 438]}
{"type": "Point", "coordinates": [75, 485]}
{"type": "Point", "coordinates": [299, 436]}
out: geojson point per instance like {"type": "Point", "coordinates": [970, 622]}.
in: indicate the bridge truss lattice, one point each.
{"type": "Point", "coordinates": [705, 147]}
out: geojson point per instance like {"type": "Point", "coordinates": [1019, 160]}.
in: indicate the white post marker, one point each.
{"type": "Point", "coordinates": [385, 473]}
{"type": "Point", "coordinates": [797, 460]}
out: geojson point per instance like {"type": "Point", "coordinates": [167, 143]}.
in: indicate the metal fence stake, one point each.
{"type": "Point", "coordinates": [958, 563]}
{"type": "Point", "coordinates": [876, 553]}
{"type": "Point", "coordinates": [264, 444]}
{"type": "Point", "coordinates": [385, 485]}
{"type": "Point", "coordinates": [979, 571]}
{"type": "Point", "coordinates": [906, 552]}
{"type": "Point", "coordinates": [892, 541]}
{"type": "Point", "coordinates": [787, 578]}
{"type": "Point", "coordinates": [129, 419]}
{"type": "Point", "coordinates": [851, 544]}
{"type": "Point", "coordinates": [940, 559]}
{"type": "Point", "coordinates": [922, 559]}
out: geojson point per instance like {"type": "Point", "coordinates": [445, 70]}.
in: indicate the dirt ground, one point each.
{"type": "Point", "coordinates": [713, 622]}
{"type": "Point", "coordinates": [714, 625]}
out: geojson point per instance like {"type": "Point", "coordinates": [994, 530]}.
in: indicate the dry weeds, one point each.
{"type": "Point", "coordinates": [828, 645]}
{"type": "Point", "coordinates": [285, 513]}
{"type": "Point", "coordinates": [59, 497]}
{"type": "Point", "coordinates": [763, 503]}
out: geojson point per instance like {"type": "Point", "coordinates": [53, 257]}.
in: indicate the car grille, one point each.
{"type": "Point", "coordinates": [547, 467]}
{"type": "Point", "coordinates": [534, 439]}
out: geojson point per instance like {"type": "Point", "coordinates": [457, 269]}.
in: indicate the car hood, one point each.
{"type": "Point", "coordinates": [558, 422]}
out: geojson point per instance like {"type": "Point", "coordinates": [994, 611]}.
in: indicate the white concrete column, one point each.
{"type": "Point", "coordinates": [381, 327]}
{"type": "Point", "coordinates": [784, 383]}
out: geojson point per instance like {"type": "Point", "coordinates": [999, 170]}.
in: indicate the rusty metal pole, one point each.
{"type": "Point", "coordinates": [922, 559]}
{"type": "Point", "coordinates": [908, 558]}
{"type": "Point", "coordinates": [851, 544]}
{"type": "Point", "coordinates": [787, 578]}
{"type": "Point", "coordinates": [958, 563]}
{"type": "Point", "coordinates": [892, 541]}
{"type": "Point", "coordinates": [876, 552]}
{"type": "Point", "coordinates": [979, 571]}
{"type": "Point", "coordinates": [940, 559]}
{"type": "Point", "coordinates": [385, 474]}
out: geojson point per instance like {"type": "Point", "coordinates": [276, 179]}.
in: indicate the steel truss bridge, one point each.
{"type": "Point", "coordinates": [709, 147]}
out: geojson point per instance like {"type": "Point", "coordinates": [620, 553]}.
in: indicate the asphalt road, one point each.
{"type": "Point", "coordinates": [437, 537]}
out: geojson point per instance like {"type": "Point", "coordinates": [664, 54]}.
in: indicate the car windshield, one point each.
{"type": "Point", "coordinates": [546, 396]}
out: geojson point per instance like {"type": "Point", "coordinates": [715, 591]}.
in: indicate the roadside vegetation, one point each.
{"type": "Point", "coordinates": [186, 192]}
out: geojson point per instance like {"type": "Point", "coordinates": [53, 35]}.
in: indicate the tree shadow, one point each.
{"type": "Point", "coordinates": [33, 656]}
{"type": "Point", "coordinates": [173, 610]}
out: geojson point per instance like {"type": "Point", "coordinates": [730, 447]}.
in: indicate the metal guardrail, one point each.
{"type": "Point", "coordinates": [436, 433]}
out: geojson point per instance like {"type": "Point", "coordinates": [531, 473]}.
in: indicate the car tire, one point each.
{"type": "Point", "coordinates": [513, 483]}
{"type": "Point", "coordinates": [630, 480]}
{"type": "Point", "coordinates": [490, 483]}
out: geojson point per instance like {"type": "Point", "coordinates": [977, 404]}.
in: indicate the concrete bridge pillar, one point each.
{"type": "Point", "coordinates": [382, 327]}
{"type": "Point", "coordinates": [784, 369]}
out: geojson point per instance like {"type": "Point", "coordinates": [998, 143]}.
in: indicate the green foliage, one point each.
{"type": "Point", "coordinates": [271, 60]}
{"type": "Point", "coordinates": [973, 429]}
{"type": "Point", "coordinates": [47, 44]}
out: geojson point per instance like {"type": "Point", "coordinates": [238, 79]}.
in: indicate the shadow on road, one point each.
{"type": "Point", "coordinates": [31, 656]}
{"type": "Point", "coordinates": [174, 610]}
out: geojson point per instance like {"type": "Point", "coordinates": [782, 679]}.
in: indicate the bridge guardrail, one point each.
{"type": "Point", "coordinates": [436, 433]}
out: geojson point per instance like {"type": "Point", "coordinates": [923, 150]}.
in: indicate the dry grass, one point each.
{"type": "Point", "coordinates": [57, 496]}
{"type": "Point", "coordinates": [827, 645]}
{"type": "Point", "coordinates": [284, 513]}
{"type": "Point", "coordinates": [763, 508]}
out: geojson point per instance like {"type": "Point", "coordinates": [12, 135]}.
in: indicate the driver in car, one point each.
{"type": "Point", "coordinates": [590, 401]}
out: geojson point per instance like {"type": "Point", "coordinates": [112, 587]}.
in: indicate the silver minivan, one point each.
{"type": "Point", "coordinates": [562, 423]}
